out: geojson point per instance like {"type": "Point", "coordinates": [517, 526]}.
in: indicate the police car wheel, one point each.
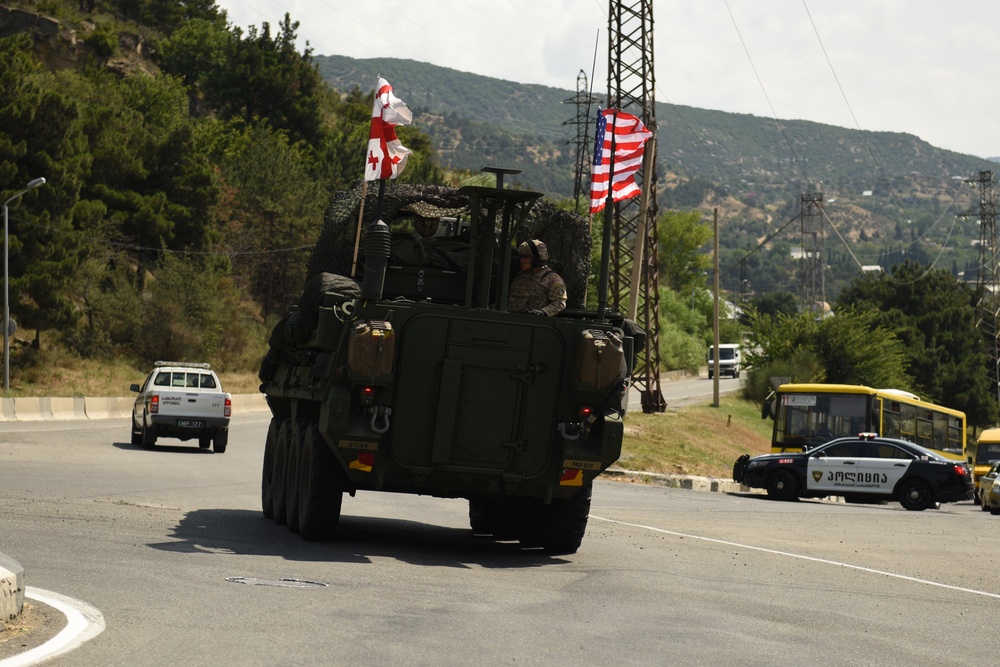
{"type": "Point", "coordinates": [781, 485]}
{"type": "Point", "coordinates": [915, 495]}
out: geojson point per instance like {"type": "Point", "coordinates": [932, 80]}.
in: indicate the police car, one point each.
{"type": "Point", "coordinates": [865, 468]}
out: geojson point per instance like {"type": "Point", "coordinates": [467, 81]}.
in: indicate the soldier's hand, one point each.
{"type": "Point", "coordinates": [538, 312]}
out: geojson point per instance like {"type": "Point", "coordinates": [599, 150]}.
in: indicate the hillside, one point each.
{"type": "Point", "coordinates": [886, 195]}
{"type": "Point", "coordinates": [738, 150]}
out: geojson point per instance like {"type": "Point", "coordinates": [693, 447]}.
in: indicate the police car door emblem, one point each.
{"type": "Point", "coordinates": [817, 475]}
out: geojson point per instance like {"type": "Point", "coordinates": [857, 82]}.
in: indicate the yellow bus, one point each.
{"type": "Point", "coordinates": [806, 415]}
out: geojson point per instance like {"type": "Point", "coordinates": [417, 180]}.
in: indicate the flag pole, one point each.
{"type": "Point", "coordinates": [357, 234]}
{"type": "Point", "coordinates": [604, 279]}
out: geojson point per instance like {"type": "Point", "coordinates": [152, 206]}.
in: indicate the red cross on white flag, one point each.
{"type": "Point", "coordinates": [386, 155]}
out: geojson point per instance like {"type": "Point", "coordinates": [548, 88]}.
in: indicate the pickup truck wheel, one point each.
{"type": "Point", "coordinates": [220, 442]}
{"type": "Point", "coordinates": [267, 472]}
{"type": "Point", "coordinates": [292, 477]}
{"type": "Point", "coordinates": [564, 522]}
{"type": "Point", "coordinates": [321, 488]}
{"type": "Point", "coordinates": [148, 436]}
{"type": "Point", "coordinates": [204, 441]}
{"type": "Point", "coordinates": [280, 466]}
{"type": "Point", "coordinates": [136, 435]}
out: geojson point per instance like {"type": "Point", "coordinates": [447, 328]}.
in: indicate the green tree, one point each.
{"type": "Point", "coordinates": [191, 311]}
{"type": "Point", "coordinates": [682, 239]}
{"type": "Point", "coordinates": [849, 348]}
{"type": "Point", "coordinates": [195, 51]}
{"type": "Point", "coordinates": [265, 78]}
{"type": "Point", "coordinates": [149, 169]}
{"type": "Point", "coordinates": [934, 316]}
{"type": "Point", "coordinates": [42, 137]}
{"type": "Point", "coordinates": [277, 211]}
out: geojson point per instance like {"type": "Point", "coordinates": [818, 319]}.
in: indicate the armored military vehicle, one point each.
{"type": "Point", "coordinates": [417, 380]}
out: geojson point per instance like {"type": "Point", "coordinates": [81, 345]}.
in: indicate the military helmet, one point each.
{"type": "Point", "coordinates": [535, 249]}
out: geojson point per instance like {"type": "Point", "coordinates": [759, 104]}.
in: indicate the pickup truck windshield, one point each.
{"type": "Point", "coordinates": [184, 379]}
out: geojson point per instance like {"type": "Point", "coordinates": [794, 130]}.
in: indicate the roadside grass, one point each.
{"type": "Point", "coordinates": [696, 439]}
{"type": "Point", "coordinates": [55, 373]}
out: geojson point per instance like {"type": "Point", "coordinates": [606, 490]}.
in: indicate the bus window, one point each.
{"type": "Point", "coordinates": [804, 413]}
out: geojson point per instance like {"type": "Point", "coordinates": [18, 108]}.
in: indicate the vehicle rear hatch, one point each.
{"type": "Point", "coordinates": [476, 396]}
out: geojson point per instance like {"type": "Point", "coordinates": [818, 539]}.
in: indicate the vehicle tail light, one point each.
{"type": "Point", "coordinates": [367, 395]}
{"type": "Point", "coordinates": [154, 403]}
{"type": "Point", "coordinates": [229, 407]}
{"type": "Point", "coordinates": [585, 411]}
{"type": "Point", "coordinates": [960, 470]}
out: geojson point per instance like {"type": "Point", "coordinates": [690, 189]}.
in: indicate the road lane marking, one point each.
{"type": "Point", "coordinates": [813, 559]}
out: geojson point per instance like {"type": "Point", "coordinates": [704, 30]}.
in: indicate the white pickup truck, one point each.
{"type": "Point", "coordinates": [184, 401]}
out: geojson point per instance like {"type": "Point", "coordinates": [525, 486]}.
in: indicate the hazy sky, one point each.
{"type": "Point", "coordinates": [924, 67]}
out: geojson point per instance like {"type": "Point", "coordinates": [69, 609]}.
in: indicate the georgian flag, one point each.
{"type": "Point", "coordinates": [616, 172]}
{"type": "Point", "coordinates": [386, 156]}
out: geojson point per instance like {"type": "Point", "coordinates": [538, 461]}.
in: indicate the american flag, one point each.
{"type": "Point", "coordinates": [386, 155]}
{"type": "Point", "coordinates": [629, 136]}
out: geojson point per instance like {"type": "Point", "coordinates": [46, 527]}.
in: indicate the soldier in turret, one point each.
{"type": "Point", "coordinates": [537, 289]}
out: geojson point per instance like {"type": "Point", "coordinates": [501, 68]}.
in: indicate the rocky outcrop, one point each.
{"type": "Point", "coordinates": [55, 45]}
{"type": "Point", "coordinates": [60, 47]}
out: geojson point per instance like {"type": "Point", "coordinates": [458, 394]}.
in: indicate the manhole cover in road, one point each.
{"type": "Point", "coordinates": [286, 583]}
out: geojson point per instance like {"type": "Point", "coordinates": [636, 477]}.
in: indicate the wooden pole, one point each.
{"type": "Point", "coordinates": [357, 234]}
{"type": "Point", "coordinates": [715, 314]}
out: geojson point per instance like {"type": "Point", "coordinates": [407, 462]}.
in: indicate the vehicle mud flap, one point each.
{"type": "Point", "coordinates": [739, 468]}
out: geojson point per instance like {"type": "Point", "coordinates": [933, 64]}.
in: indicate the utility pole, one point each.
{"type": "Point", "coordinates": [635, 247]}
{"type": "Point", "coordinates": [715, 309]}
{"type": "Point", "coordinates": [583, 121]}
{"type": "Point", "coordinates": [988, 275]}
{"type": "Point", "coordinates": [812, 291]}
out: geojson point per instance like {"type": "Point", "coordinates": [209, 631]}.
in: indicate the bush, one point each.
{"type": "Point", "coordinates": [103, 40]}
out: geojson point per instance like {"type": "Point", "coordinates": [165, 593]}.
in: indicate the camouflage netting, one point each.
{"type": "Point", "coordinates": [566, 234]}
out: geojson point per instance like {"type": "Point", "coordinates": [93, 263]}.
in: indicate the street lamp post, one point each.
{"type": "Point", "coordinates": [6, 291]}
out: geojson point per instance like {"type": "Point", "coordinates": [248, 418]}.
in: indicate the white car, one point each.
{"type": "Point", "coordinates": [183, 401]}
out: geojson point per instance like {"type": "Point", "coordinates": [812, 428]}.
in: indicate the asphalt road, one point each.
{"type": "Point", "coordinates": [686, 391]}
{"type": "Point", "coordinates": [171, 547]}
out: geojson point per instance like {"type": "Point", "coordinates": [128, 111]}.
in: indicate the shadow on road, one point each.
{"type": "Point", "coordinates": [358, 540]}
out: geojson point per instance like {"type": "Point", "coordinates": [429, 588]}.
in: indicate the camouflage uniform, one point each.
{"type": "Point", "coordinates": [540, 289]}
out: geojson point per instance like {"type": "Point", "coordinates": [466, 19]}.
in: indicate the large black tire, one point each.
{"type": "Point", "coordinates": [782, 485]}
{"type": "Point", "coordinates": [148, 436]}
{"type": "Point", "coordinates": [479, 518]}
{"type": "Point", "coordinates": [136, 434]}
{"type": "Point", "coordinates": [994, 510]}
{"type": "Point", "coordinates": [563, 523]}
{"type": "Point", "coordinates": [915, 495]}
{"type": "Point", "coordinates": [280, 466]}
{"type": "Point", "coordinates": [504, 520]}
{"type": "Point", "coordinates": [321, 488]}
{"type": "Point", "coordinates": [984, 504]}
{"type": "Point", "coordinates": [267, 471]}
{"type": "Point", "coordinates": [292, 477]}
{"type": "Point", "coordinates": [204, 441]}
{"type": "Point", "coordinates": [221, 441]}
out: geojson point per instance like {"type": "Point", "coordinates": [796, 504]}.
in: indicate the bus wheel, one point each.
{"type": "Point", "coordinates": [781, 485]}
{"type": "Point", "coordinates": [915, 495]}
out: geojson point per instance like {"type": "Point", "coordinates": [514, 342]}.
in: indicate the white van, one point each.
{"type": "Point", "coordinates": [729, 360]}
